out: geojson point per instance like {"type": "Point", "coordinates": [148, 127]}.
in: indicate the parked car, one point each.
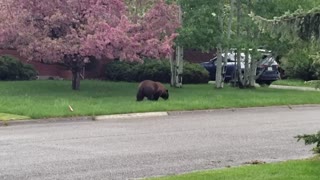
{"type": "Point", "coordinates": [267, 70]}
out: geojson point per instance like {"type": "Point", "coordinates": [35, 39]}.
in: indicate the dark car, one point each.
{"type": "Point", "coordinates": [267, 70]}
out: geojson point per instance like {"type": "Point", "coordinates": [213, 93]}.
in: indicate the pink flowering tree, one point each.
{"type": "Point", "coordinates": [73, 31]}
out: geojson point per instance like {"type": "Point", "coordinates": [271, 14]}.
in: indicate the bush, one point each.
{"type": "Point", "coordinates": [12, 69]}
{"type": "Point", "coordinates": [120, 71]}
{"type": "Point", "coordinates": [301, 65]}
{"type": "Point", "coordinates": [154, 70]}
{"type": "Point", "coordinates": [311, 139]}
{"type": "Point", "coordinates": [194, 73]}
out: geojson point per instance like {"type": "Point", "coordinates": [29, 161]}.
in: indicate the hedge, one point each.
{"type": "Point", "coordinates": [157, 70]}
{"type": "Point", "coordinates": [13, 69]}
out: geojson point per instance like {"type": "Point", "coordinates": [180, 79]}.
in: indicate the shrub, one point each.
{"type": "Point", "coordinates": [301, 65]}
{"type": "Point", "coordinates": [311, 139]}
{"type": "Point", "coordinates": [12, 69]}
{"type": "Point", "coordinates": [154, 70]}
{"type": "Point", "coordinates": [120, 71]}
{"type": "Point", "coordinates": [194, 73]}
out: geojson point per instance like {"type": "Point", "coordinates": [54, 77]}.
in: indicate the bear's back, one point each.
{"type": "Point", "coordinates": [148, 83]}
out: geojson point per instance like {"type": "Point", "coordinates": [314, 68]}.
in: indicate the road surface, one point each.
{"type": "Point", "coordinates": [144, 147]}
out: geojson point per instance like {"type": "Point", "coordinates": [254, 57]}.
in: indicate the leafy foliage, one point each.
{"type": "Point", "coordinates": [294, 31]}
{"type": "Point", "coordinates": [201, 26]}
{"type": "Point", "coordinates": [274, 8]}
{"type": "Point", "coordinates": [301, 24]}
{"type": "Point", "coordinates": [311, 139]}
{"type": "Point", "coordinates": [301, 63]}
{"type": "Point", "coordinates": [12, 69]}
{"type": "Point", "coordinates": [153, 70]}
{"type": "Point", "coordinates": [73, 31]}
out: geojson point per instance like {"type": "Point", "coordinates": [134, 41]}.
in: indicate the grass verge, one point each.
{"type": "Point", "coordinates": [42, 99]}
{"type": "Point", "coordinates": [289, 170]}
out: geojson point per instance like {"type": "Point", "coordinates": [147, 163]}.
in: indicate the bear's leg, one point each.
{"type": "Point", "coordinates": [140, 95]}
{"type": "Point", "coordinates": [156, 96]}
{"type": "Point", "coordinates": [150, 97]}
{"type": "Point", "coordinates": [148, 92]}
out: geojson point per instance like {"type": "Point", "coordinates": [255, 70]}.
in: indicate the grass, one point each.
{"type": "Point", "coordinates": [290, 170]}
{"type": "Point", "coordinates": [42, 99]}
{"type": "Point", "coordinates": [295, 82]}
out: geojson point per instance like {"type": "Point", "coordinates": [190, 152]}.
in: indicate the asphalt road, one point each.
{"type": "Point", "coordinates": [180, 142]}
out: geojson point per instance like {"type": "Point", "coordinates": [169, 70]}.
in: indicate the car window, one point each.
{"type": "Point", "coordinates": [229, 61]}
{"type": "Point", "coordinates": [212, 60]}
{"type": "Point", "coordinates": [269, 60]}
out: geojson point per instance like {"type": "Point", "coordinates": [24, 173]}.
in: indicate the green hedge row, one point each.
{"type": "Point", "coordinates": [13, 69]}
{"type": "Point", "coordinates": [154, 70]}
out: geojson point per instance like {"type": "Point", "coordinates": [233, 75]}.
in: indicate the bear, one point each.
{"type": "Point", "coordinates": [152, 90]}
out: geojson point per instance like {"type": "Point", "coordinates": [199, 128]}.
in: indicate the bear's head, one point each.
{"type": "Point", "coordinates": [165, 95]}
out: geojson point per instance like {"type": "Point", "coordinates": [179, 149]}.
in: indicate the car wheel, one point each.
{"type": "Point", "coordinates": [264, 83]}
{"type": "Point", "coordinates": [268, 83]}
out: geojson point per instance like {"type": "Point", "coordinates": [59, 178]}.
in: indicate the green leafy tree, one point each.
{"type": "Point", "coordinates": [204, 27]}
{"type": "Point", "coordinates": [201, 24]}
{"type": "Point", "coordinates": [273, 8]}
{"type": "Point", "coordinates": [299, 28]}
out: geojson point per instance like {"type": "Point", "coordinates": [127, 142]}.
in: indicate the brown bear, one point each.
{"type": "Point", "coordinates": [152, 90]}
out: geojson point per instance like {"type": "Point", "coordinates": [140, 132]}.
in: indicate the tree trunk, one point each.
{"type": "Point", "coordinates": [76, 63]}
{"type": "Point", "coordinates": [239, 69]}
{"type": "Point", "coordinates": [246, 68]}
{"type": "Point", "coordinates": [219, 68]}
{"type": "Point", "coordinates": [253, 63]}
{"type": "Point", "coordinates": [253, 71]}
{"type": "Point", "coordinates": [177, 62]}
{"type": "Point", "coordinates": [173, 72]}
{"type": "Point", "coordinates": [224, 66]}
{"type": "Point", "coordinates": [176, 65]}
{"type": "Point", "coordinates": [75, 79]}
{"type": "Point", "coordinates": [179, 67]}
{"type": "Point", "coordinates": [225, 59]}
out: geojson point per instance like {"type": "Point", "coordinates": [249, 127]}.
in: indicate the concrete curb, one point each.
{"type": "Point", "coordinates": [42, 121]}
{"type": "Point", "coordinates": [131, 115]}
{"type": "Point", "coordinates": [139, 115]}
{"type": "Point", "coordinates": [84, 118]}
{"type": "Point", "coordinates": [174, 113]}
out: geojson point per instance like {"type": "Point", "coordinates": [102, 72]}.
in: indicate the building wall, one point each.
{"type": "Point", "coordinates": [197, 56]}
{"type": "Point", "coordinates": [43, 69]}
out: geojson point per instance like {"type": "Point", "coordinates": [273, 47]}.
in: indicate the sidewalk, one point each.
{"type": "Point", "coordinates": [294, 88]}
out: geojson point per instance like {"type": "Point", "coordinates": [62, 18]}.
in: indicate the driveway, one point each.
{"type": "Point", "coordinates": [143, 147]}
{"type": "Point", "coordinates": [294, 88]}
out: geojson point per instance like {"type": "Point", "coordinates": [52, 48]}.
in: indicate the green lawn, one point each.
{"type": "Point", "coordinates": [290, 170]}
{"type": "Point", "coordinates": [38, 99]}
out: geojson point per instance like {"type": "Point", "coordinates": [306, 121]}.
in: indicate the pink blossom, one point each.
{"type": "Point", "coordinates": [47, 30]}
